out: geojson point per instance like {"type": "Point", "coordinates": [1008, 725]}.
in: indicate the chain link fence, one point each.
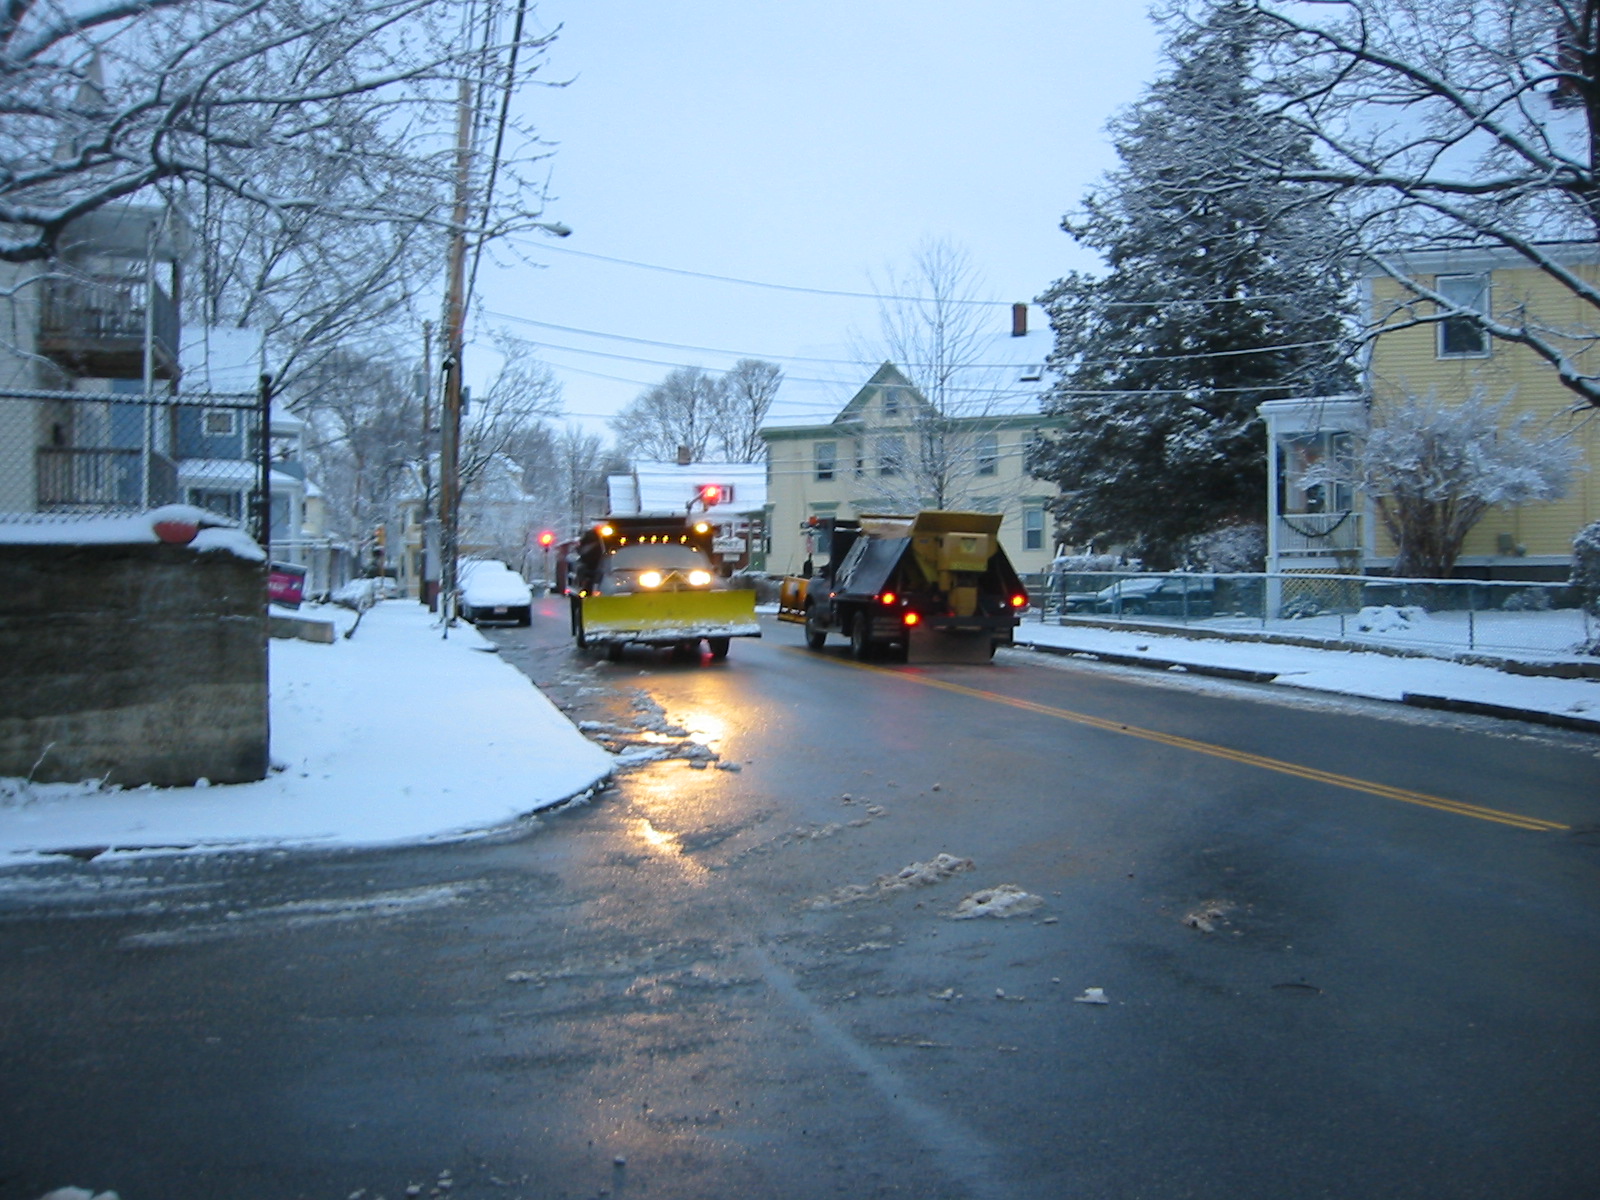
{"type": "Point", "coordinates": [68, 454]}
{"type": "Point", "coordinates": [1437, 616]}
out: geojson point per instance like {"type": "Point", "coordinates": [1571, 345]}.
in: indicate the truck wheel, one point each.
{"type": "Point", "coordinates": [861, 638]}
{"type": "Point", "coordinates": [614, 651]}
{"type": "Point", "coordinates": [816, 635]}
{"type": "Point", "coordinates": [719, 647]}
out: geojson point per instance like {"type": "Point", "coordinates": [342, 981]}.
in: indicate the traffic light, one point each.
{"type": "Point", "coordinates": [547, 539]}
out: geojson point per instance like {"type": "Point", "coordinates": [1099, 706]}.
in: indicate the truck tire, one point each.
{"type": "Point", "coordinates": [719, 647]}
{"type": "Point", "coordinates": [861, 638]}
{"type": "Point", "coordinates": [816, 635]}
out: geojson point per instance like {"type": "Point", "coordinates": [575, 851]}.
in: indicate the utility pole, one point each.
{"type": "Point", "coordinates": [454, 337]}
{"type": "Point", "coordinates": [428, 592]}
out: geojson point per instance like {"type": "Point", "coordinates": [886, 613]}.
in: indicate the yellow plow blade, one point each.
{"type": "Point", "coordinates": [670, 616]}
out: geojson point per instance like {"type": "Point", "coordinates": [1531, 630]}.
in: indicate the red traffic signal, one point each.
{"type": "Point", "coordinates": [547, 539]}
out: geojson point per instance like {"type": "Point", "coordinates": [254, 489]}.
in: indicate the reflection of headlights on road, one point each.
{"type": "Point", "coordinates": [699, 578]}
{"type": "Point", "coordinates": [650, 579]}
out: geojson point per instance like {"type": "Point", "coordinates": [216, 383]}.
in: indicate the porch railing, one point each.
{"type": "Point", "coordinates": [100, 479]}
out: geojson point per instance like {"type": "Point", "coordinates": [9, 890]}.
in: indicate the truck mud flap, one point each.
{"type": "Point", "coordinates": [927, 646]}
{"type": "Point", "coordinates": [670, 616]}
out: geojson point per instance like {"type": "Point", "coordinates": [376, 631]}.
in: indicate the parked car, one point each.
{"type": "Point", "coordinates": [1164, 595]}
{"type": "Point", "coordinates": [491, 591]}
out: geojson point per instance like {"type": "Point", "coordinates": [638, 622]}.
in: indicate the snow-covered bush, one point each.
{"type": "Point", "coordinates": [1300, 607]}
{"type": "Point", "coordinates": [1090, 563]}
{"type": "Point", "coordinates": [359, 594]}
{"type": "Point", "coordinates": [1586, 576]}
{"type": "Point", "coordinates": [1586, 566]}
{"type": "Point", "coordinates": [1230, 549]}
{"type": "Point", "coordinates": [1389, 619]}
{"type": "Point", "coordinates": [1533, 599]}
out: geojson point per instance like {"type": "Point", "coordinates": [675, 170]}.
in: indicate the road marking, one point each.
{"type": "Point", "coordinates": [1350, 782]}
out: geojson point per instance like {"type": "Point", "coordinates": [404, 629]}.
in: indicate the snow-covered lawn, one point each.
{"type": "Point", "coordinates": [1349, 672]}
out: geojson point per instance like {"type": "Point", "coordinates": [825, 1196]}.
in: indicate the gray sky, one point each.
{"type": "Point", "coordinates": [806, 145]}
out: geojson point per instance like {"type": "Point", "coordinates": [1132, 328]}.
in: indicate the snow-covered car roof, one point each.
{"type": "Point", "coordinates": [485, 583]}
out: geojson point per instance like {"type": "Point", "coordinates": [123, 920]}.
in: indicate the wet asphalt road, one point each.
{"type": "Point", "coordinates": [1347, 951]}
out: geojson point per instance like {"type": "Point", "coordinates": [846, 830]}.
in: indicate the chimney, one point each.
{"type": "Point", "coordinates": [1019, 320]}
{"type": "Point", "coordinates": [683, 456]}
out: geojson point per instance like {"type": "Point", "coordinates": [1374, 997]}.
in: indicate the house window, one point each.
{"type": "Point", "coordinates": [1324, 457]}
{"type": "Point", "coordinates": [891, 455]}
{"type": "Point", "coordinates": [218, 422]}
{"type": "Point", "coordinates": [891, 402]}
{"type": "Point", "coordinates": [827, 460]}
{"type": "Point", "coordinates": [988, 453]}
{"type": "Point", "coordinates": [1462, 337]}
{"type": "Point", "coordinates": [1033, 527]}
{"type": "Point", "coordinates": [223, 503]}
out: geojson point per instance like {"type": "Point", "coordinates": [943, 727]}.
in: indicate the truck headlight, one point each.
{"type": "Point", "coordinates": [649, 579]}
{"type": "Point", "coordinates": [699, 578]}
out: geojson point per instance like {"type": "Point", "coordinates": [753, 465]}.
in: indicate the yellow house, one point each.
{"type": "Point", "coordinates": [1324, 527]}
{"type": "Point", "coordinates": [888, 450]}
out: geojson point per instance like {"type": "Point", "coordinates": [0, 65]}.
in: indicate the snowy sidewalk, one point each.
{"type": "Point", "coordinates": [1426, 682]}
{"type": "Point", "coordinates": [393, 735]}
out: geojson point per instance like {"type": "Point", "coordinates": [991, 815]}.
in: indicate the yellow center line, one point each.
{"type": "Point", "coordinates": [1405, 795]}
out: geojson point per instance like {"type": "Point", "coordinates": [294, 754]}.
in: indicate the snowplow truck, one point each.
{"type": "Point", "coordinates": [936, 587]}
{"type": "Point", "coordinates": [651, 580]}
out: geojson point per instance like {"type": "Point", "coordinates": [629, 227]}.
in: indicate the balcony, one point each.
{"type": "Point", "coordinates": [96, 327]}
{"type": "Point", "coordinates": [1309, 535]}
{"type": "Point", "coordinates": [102, 479]}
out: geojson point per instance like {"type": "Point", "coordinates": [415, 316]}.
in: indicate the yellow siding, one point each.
{"type": "Point", "coordinates": [1406, 360]}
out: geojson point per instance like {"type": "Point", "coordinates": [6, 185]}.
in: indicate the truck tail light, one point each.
{"type": "Point", "coordinates": [1020, 600]}
{"type": "Point", "coordinates": [910, 618]}
{"type": "Point", "coordinates": [888, 598]}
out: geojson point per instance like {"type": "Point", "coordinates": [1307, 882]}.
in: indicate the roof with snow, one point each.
{"type": "Point", "coordinates": [662, 488]}
{"type": "Point", "coordinates": [1005, 378]}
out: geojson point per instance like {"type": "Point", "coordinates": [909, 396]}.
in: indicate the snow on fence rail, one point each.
{"type": "Point", "coordinates": [1440, 616]}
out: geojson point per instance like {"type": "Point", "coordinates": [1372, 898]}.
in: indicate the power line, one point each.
{"type": "Point", "coordinates": [850, 362]}
{"type": "Point", "coordinates": [853, 295]}
{"type": "Point", "coordinates": [777, 287]}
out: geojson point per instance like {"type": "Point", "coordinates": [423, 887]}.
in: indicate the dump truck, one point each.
{"type": "Point", "coordinates": [934, 587]}
{"type": "Point", "coordinates": [652, 581]}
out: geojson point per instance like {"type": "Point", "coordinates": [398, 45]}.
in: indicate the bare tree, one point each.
{"type": "Point", "coordinates": [748, 391]}
{"type": "Point", "coordinates": [1449, 125]}
{"type": "Point", "coordinates": [364, 433]}
{"type": "Point", "coordinates": [340, 107]}
{"type": "Point", "coordinates": [682, 410]}
{"type": "Point", "coordinates": [1434, 469]}
{"type": "Point", "coordinates": [935, 331]}
{"type": "Point", "coordinates": [582, 465]}
{"type": "Point", "coordinates": [496, 425]}
{"type": "Point", "coordinates": [311, 284]}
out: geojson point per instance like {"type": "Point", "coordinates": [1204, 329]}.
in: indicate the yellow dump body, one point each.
{"type": "Point", "coordinates": [670, 616]}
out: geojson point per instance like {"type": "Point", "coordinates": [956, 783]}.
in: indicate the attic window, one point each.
{"type": "Point", "coordinates": [891, 402]}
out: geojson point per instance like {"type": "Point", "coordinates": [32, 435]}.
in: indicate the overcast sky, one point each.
{"type": "Point", "coordinates": [810, 146]}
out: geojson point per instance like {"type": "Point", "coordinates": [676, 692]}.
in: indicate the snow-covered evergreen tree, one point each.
{"type": "Point", "coordinates": [1218, 296]}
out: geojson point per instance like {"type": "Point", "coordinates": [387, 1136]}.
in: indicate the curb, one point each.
{"type": "Point", "coordinates": [1560, 669]}
{"type": "Point", "coordinates": [1244, 674]}
{"type": "Point", "coordinates": [1411, 699]}
{"type": "Point", "coordinates": [1483, 708]}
